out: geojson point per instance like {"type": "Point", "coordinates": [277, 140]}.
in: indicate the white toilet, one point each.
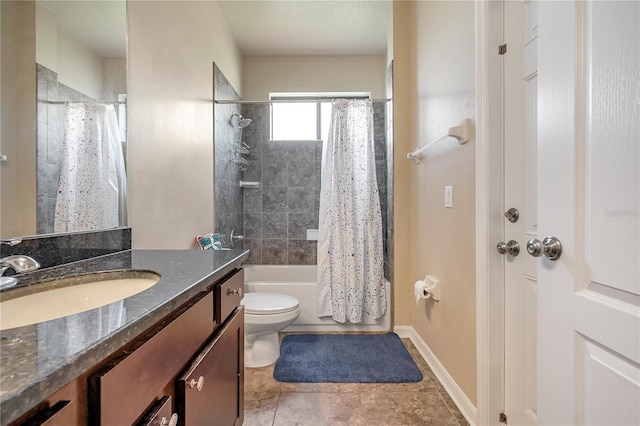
{"type": "Point", "coordinates": [264, 315]}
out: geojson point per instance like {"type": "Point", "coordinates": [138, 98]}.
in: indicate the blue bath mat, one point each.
{"type": "Point", "coordinates": [345, 358]}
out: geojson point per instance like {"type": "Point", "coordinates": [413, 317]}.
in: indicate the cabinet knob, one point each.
{"type": "Point", "coordinates": [235, 291]}
{"type": "Point", "coordinates": [198, 384]}
{"type": "Point", "coordinates": [173, 421]}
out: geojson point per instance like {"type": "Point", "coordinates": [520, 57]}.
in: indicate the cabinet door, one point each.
{"type": "Point", "coordinates": [160, 414]}
{"type": "Point", "coordinates": [211, 390]}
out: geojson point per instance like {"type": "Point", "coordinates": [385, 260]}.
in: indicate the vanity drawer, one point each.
{"type": "Point", "coordinates": [123, 390]}
{"type": "Point", "coordinates": [228, 296]}
{"type": "Point", "coordinates": [160, 414]}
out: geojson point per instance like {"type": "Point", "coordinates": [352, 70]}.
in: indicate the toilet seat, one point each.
{"type": "Point", "coordinates": [263, 303]}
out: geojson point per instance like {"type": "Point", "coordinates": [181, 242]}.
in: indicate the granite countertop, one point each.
{"type": "Point", "coordinates": [37, 360]}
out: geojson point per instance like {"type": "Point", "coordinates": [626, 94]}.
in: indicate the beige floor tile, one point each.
{"type": "Point", "coordinates": [260, 408]}
{"type": "Point", "coordinates": [404, 409]}
{"type": "Point", "coordinates": [319, 387]}
{"type": "Point", "coordinates": [260, 379]}
{"type": "Point", "coordinates": [316, 409]}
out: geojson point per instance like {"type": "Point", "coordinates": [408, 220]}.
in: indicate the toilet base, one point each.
{"type": "Point", "coordinates": [264, 350]}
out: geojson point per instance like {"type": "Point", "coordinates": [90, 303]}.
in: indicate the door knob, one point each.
{"type": "Point", "coordinates": [512, 215]}
{"type": "Point", "coordinates": [512, 247]}
{"type": "Point", "coordinates": [551, 247]}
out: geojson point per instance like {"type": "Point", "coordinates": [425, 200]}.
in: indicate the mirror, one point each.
{"type": "Point", "coordinates": [63, 105]}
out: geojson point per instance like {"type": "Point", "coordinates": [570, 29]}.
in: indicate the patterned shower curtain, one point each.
{"type": "Point", "coordinates": [350, 263]}
{"type": "Point", "coordinates": [92, 183]}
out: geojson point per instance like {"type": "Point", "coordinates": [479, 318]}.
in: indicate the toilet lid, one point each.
{"type": "Point", "coordinates": [263, 303]}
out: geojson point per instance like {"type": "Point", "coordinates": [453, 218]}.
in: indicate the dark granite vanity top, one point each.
{"type": "Point", "coordinates": [37, 360]}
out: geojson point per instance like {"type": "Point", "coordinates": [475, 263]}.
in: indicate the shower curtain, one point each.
{"type": "Point", "coordinates": [350, 263]}
{"type": "Point", "coordinates": [92, 184]}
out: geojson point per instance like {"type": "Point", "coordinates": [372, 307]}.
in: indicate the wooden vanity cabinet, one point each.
{"type": "Point", "coordinates": [129, 388]}
{"type": "Point", "coordinates": [210, 392]}
{"type": "Point", "coordinates": [191, 365]}
{"type": "Point", "coordinates": [124, 389]}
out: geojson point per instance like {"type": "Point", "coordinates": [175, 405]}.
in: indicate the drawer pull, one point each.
{"type": "Point", "coordinates": [198, 384]}
{"type": "Point", "coordinates": [173, 421]}
{"type": "Point", "coordinates": [235, 291]}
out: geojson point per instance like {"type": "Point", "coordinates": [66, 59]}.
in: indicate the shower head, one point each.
{"type": "Point", "coordinates": [240, 122]}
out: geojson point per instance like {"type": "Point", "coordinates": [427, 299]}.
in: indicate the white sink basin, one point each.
{"type": "Point", "coordinates": [60, 298]}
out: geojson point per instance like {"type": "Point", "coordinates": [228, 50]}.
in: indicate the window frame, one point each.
{"type": "Point", "coordinates": [309, 98]}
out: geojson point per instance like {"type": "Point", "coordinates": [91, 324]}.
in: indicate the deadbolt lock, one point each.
{"type": "Point", "coordinates": [512, 215]}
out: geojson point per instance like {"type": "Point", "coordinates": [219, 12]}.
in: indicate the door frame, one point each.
{"type": "Point", "coordinates": [490, 346]}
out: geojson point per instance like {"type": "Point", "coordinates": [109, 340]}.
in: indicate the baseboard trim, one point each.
{"type": "Point", "coordinates": [461, 400]}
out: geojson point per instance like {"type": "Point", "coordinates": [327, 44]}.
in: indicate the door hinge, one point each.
{"type": "Point", "coordinates": [502, 418]}
{"type": "Point", "coordinates": [502, 49]}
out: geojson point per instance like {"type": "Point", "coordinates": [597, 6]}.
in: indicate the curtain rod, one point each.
{"type": "Point", "coordinates": [289, 101]}
{"type": "Point", "coordinates": [82, 102]}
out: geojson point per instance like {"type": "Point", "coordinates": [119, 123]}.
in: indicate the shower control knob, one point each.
{"type": "Point", "coordinates": [551, 247]}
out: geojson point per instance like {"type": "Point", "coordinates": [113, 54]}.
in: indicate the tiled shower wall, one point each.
{"type": "Point", "coordinates": [228, 195]}
{"type": "Point", "coordinates": [278, 213]}
{"type": "Point", "coordinates": [50, 136]}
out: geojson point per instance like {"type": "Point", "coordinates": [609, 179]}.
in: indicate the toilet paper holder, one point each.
{"type": "Point", "coordinates": [429, 288]}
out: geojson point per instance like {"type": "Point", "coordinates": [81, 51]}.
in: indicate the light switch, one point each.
{"type": "Point", "coordinates": [448, 196]}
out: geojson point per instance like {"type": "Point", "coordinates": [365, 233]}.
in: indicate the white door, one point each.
{"type": "Point", "coordinates": [520, 193]}
{"type": "Point", "coordinates": [588, 198]}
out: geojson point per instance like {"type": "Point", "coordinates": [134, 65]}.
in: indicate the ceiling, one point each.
{"type": "Point", "coordinates": [308, 27]}
{"type": "Point", "coordinates": [259, 27]}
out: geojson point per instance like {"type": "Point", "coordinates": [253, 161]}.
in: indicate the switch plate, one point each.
{"type": "Point", "coordinates": [448, 196]}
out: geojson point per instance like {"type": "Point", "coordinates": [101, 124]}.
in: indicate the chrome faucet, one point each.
{"type": "Point", "coordinates": [20, 264]}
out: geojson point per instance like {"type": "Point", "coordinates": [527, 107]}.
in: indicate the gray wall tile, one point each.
{"type": "Point", "coordinates": [255, 251]}
{"type": "Point", "coordinates": [274, 225]}
{"type": "Point", "coordinates": [301, 252]}
{"type": "Point", "coordinates": [253, 225]}
{"type": "Point", "coordinates": [274, 252]}
{"type": "Point", "coordinates": [300, 199]}
{"type": "Point", "coordinates": [252, 200]}
{"type": "Point", "coordinates": [299, 223]}
{"type": "Point", "coordinates": [274, 199]}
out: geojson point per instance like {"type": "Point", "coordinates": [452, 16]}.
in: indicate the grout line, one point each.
{"type": "Point", "coordinates": [275, 412]}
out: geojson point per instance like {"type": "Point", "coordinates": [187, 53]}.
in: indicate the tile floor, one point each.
{"type": "Point", "coordinates": [271, 403]}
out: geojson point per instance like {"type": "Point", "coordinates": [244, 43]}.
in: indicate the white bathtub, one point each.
{"type": "Point", "coordinates": [300, 281]}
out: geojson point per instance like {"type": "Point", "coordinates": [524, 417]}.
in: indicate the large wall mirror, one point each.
{"type": "Point", "coordinates": [63, 109]}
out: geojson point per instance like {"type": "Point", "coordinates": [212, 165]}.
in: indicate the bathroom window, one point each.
{"type": "Point", "coordinates": [306, 117]}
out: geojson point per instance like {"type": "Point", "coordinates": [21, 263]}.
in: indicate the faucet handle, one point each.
{"type": "Point", "coordinates": [11, 241]}
{"type": "Point", "coordinates": [19, 263]}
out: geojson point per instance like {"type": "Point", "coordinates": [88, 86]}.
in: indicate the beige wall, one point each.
{"type": "Point", "coordinates": [442, 239]}
{"type": "Point", "coordinates": [172, 47]}
{"type": "Point", "coordinates": [18, 132]}
{"type": "Point", "coordinates": [264, 74]}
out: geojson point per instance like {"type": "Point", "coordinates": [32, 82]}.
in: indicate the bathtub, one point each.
{"type": "Point", "coordinates": [300, 281]}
